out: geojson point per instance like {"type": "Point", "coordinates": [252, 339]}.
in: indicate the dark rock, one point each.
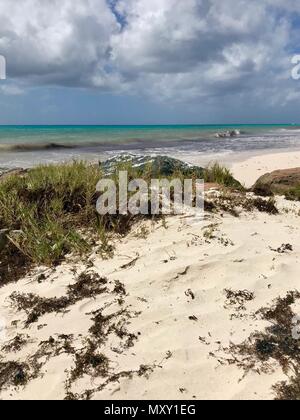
{"type": "Point", "coordinates": [160, 165]}
{"type": "Point", "coordinates": [277, 182]}
{"type": "Point", "coordinates": [228, 134]}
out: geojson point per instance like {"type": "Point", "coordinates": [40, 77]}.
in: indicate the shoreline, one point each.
{"type": "Point", "coordinates": [247, 166]}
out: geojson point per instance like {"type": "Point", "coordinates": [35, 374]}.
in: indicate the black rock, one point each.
{"type": "Point", "coordinates": [160, 165]}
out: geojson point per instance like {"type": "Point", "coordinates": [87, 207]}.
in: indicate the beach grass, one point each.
{"type": "Point", "coordinates": [216, 173]}
{"type": "Point", "coordinates": [50, 212]}
{"type": "Point", "coordinates": [46, 207]}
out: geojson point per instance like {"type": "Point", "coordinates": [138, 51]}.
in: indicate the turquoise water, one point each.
{"type": "Point", "coordinates": [70, 135]}
{"type": "Point", "coordinates": [27, 145]}
{"type": "Point", "coordinates": [117, 133]}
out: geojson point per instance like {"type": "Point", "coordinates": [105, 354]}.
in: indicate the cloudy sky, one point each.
{"type": "Point", "coordinates": [149, 61]}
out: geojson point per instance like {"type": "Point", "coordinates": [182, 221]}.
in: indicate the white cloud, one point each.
{"type": "Point", "coordinates": [201, 48]}
{"type": "Point", "coordinates": [168, 49]}
{"type": "Point", "coordinates": [56, 41]}
{"type": "Point", "coordinates": [11, 90]}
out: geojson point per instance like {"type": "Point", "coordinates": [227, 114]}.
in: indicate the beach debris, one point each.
{"type": "Point", "coordinates": [189, 293]}
{"type": "Point", "coordinates": [130, 264]}
{"type": "Point", "coordinates": [277, 344]}
{"type": "Point", "coordinates": [41, 278]}
{"type": "Point", "coordinates": [13, 374]}
{"type": "Point", "coordinates": [88, 359]}
{"type": "Point", "coordinates": [203, 340]}
{"type": "Point", "coordinates": [119, 288]}
{"type": "Point", "coordinates": [88, 285]}
{"type": "Point", "coordinates": [169, 355]}
{"type": "Point", "coordinates": [182, 273]}
{"type": "Point", "coordinates": [211, 233]}
{"type": "Point", "coordinates": [193, 318]}
{"type": "Point", "coordinates": [238, 299]}
{"type": "Point", "coordinates": [143, 371]}
{"type": "Point", "coordinates": [16, 344]}
{"type": "Point", "coordinates": [283, 249]}
{"type": "Point", "coordinates": [41, 326]}
{"type": "Point", "coordinates": [89, 362]}
{"type": "Point", "coordinates": [18, 374]}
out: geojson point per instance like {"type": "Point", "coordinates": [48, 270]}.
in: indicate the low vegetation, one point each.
{"type": "Point", "coordinates": [50, 211]}
{"type": "Point", "coordinates": [293, 194]}
{"type": "Point", "coordinates": [216, 173]}
{"type": "Point", "coordinates": [236, 203]}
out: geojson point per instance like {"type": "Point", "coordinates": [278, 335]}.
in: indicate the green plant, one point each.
{"type": "Point", "coordinates": [47, 207]}
{"type": "Point", "coordinates": [216, 173]}
{"type": "Point", "coordinates": [50, 212]}
{"type": "Point", "coordinates": [293, 194]}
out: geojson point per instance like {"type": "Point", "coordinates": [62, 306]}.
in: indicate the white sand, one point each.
{"type": "Point", "coordinates": [172, 265]}
{"type": "Point", "coordinates": [249, 170]}
{"type": "Point", "coordinates": [170, 262]}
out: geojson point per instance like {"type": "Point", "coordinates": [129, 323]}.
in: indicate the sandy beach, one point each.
{"type": "Point", "coordinates": [176, 297]}
{"type": "Point", "coordinates": [247, 171]}
{"type": "Point", "coordinates": [149, 202]}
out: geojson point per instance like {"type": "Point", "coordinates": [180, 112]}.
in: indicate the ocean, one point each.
{"type": "Point", "coordinates": [26, 146]}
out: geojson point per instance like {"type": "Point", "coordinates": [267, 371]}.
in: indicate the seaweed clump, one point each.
{"type": "Point", "coordinates": [16, 344]}
{"type": "Point", "coordinates": [13, 374]}
{"type": "Point", "coordinates": [89, 362]}
{"type": "Point", "coordinates": [238, 299]}
{"type": "Point", "coordinates": [87, 286]}
{"type": "Point", "coordinates": [278, 345]}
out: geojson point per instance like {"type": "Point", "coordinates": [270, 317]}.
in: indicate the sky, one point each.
{"type": "Point", "coordinates": [149, 61]}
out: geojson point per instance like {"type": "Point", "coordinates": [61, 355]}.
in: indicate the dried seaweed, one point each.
{"type": "Point", "coordinates": [87, 286]}
{"type": "Point", "coordinates": [276, 346]}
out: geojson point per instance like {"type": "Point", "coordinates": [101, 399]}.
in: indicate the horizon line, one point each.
{"type": "Point", "coordinates": [150, 125]}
